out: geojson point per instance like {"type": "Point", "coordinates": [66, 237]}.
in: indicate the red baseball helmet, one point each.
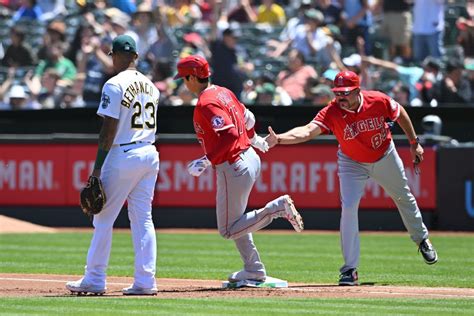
{"type": "Point", "coordinates": [346, 81]}
{"type": "Point", "coordinates": [193, 65]}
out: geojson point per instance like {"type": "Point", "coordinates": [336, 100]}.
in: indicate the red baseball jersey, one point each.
{"type": "Point", "coordinates": [363, 134]}
{"type": "Point", "coordinates": [219, 110]}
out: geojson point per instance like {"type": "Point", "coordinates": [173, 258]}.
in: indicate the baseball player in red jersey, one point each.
{"type": "Point", "coordinates": [366, 150]}
{"type": "Point", "coordinates": [224, 128]}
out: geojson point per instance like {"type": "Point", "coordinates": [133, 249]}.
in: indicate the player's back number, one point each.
{"type": "Point", "coordinates": [148, 120]}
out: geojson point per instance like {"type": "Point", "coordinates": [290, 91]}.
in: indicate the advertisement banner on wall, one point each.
{"type": "Point", "coordinates": [52, 174]}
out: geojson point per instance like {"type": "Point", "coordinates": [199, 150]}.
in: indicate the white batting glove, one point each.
{"type": "Point", "coordinates": [197, 166]}
{"type": "Point", "coordinates": [260, 143]}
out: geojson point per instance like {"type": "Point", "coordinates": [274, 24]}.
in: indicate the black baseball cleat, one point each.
{"type": "Point", "coordinates": [428, 252]}
{"type": "Point", "coordinates": [350, 277]}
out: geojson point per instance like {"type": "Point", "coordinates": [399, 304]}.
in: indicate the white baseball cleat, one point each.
{"type": "Point", "coordinates": [292, 215]}
{"type": "Point", "coordinates": [81, 287]}
{"type": "Point", "coordinates": [246, 275]}
{"type": "Point", "coordinates": [135, 290]}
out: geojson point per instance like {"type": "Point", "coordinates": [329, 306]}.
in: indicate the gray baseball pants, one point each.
{"type": "Point", "coordinates": [389, 173]}
{"type": "Point", "coordinates": [234, 183]}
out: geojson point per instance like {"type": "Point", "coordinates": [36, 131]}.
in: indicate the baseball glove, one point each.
{"type": "Point", "coordinates": [93, 197]}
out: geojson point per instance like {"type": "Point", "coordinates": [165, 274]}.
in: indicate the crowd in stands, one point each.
{"type": "Point", "coordinates": [54, 54]}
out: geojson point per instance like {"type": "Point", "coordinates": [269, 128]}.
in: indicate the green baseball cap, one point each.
{"type": "Point", "coordinates": [123, 43]}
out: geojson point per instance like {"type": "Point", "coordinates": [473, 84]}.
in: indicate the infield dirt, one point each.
{"type": "Point", "coordinates": [50, 285]}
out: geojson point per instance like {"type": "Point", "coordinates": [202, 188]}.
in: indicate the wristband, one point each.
{"type": "Point", "coordinates": [100, 158]}
{"type": "Point", "coordinates": [415, 141]}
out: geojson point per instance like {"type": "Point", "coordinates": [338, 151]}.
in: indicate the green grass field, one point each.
{"type": "Point", "coordinates": [308, 258]}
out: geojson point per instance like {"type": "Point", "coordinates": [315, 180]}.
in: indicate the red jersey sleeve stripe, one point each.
{"type": "Point", "coordinates": [320, 124]}
{"type": "Point", "coordinates": [224, 128]}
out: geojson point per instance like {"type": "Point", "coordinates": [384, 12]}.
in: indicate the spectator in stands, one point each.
{"type": "Point", "coordinates": [162, 77]}
{"type": "Point", "coordinates": [18, 54]}
{"type": "Point", "coordinates": [401, 94]}
{"type": "Point", "coordinates": [271, 13]}
{"type": "Point", "coordinates": [55, 60]}
{"type": "Point", "coordinates": [397, 26]}
{"type": "Point", "coordinates": [194, 44]}
{"type": "Point", "coordinates": [48, 93]}
{"type": "Point", "coordinates": [320, 95]}
{"type": "Point", "coordinates": [469, 69]}
{"type": "Point", "coordinates": [71, 98]}
{"type": "Point", "coordinates": [51, 9]}
{"type": "Point", "coordinates": [18, 98]}
{"type": "Point", "coordinates": [165, 44]}
{"type": "Point", "coordinates": [428, 29]}
{"type": "Point", "coordinates": [94, 65]}
{"type": "Point", "coordinates": [119, 24]}
{"type": "Point", "coordinates": [357, 19]}
{"type": "Point", "coordinates": [310, 39]}
{"type": "Point", "coordinates": [28, 10]}
{"type": "Point", "coordinates": [293, 80]}
{"type": "Point", "coordinates": [143, 24]}
{"type": "Point", "coordinates": [466, 31]}
{"type": "Point", "coordinates": [183, 97]}
{"type": "Point", "coordinates": [243, 12]}
{"type": "Point", "coordinates": [127, 6]}
{"type": "Point", "coordinates": [419, 80]}
{"type": "Point", "coordinates": [181, 12]}
{"type": "Point", "coordinates": [289, 31]}
{"type": "Point", "coordinates": [228, 61]}
{"type": "Point", "coordinates": [265, 94]}
{"type": "Point", "coordinates": [55, 33]}
{"type": "Point", "coordinates": [331, 10]}
{"type": "Point", "coordinates": [454, 89]}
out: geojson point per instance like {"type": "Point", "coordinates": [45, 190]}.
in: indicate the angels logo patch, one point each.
{"type": "Point", "coordinates": [217, 122]}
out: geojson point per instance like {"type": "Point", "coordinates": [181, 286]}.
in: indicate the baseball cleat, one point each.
{"type": "Point", "coordinates": [428, 252]}
{"type": "Point", "coordinates": [135, 290]}
{"type": "Point", "coordinates": [292, 215]}
{"type": "Point", "coordinates": [243, 275]}
{"type": "Point", "coordinates": [82, 288]}
{"type": "Point", "coordinates": [350, 277]}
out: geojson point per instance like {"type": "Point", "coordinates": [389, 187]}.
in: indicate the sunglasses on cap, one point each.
{"type": "Point", "coordinates": [343, 93]}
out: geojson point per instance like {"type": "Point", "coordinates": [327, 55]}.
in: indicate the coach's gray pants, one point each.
{"type": "Point", "coordinates": [389, 173]}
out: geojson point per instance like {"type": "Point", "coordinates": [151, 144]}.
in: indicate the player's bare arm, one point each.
{"type": "Point", "coordinates": [405, 123]}
{"type": "Point", "coordinates": [296, 135]}
{"type": "Point", "coordinates": [106, 139]}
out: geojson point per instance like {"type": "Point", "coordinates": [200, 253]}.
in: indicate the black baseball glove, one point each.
{"type": "Point", "coordinates": [93, 197]}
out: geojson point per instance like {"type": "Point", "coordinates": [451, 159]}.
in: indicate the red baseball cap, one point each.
{"type": "Point", "coordinates": [193, 65]}
{"type": "Point", "coordinates": [346, 81]}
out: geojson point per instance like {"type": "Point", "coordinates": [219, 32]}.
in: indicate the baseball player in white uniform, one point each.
{"type": "Point", "coordinates": [127, 162]}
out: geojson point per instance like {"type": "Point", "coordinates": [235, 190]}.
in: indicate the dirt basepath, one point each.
{"type": "Point", "coordinates": [48, 285]}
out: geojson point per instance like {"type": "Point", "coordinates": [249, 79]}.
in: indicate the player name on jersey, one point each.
{"type": "Point", "coordinates": [370, 124]}
{"type": "Point", "coordinates": [137, 87]}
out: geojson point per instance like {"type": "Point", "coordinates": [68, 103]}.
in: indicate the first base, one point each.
{"type": "Point", "coordinates": [269, 283]}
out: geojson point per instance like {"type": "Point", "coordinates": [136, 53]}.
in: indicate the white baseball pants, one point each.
{"type": "Point", "coordinates": [129, 174]}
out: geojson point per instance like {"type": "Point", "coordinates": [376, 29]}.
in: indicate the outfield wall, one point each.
{"type": "Point", "coordinates": [40, 177]}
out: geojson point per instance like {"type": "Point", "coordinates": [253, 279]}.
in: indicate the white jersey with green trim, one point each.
{"type": "Point", "coordinates": [131, 98]}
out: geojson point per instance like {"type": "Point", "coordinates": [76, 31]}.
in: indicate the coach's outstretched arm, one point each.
{"type": "Point", "coordinates": [296, 135]}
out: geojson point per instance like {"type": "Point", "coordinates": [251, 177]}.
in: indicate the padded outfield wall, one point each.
{"type": "Point", "coordinates": [41, 174]}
